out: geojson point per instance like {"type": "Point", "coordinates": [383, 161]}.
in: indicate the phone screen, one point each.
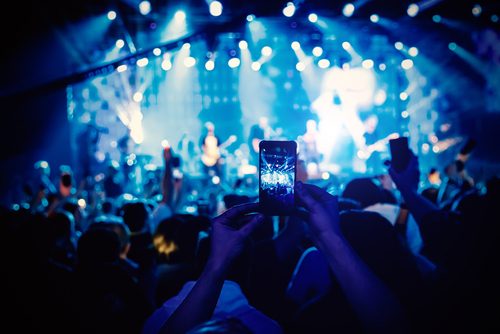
{"type": "Point", "coordinates": [277, 172]}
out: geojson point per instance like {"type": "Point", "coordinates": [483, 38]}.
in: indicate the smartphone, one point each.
{"type": "Point", "coordinates": [400, 153]}
{"type": "Point", "coordinates": [277, 175]}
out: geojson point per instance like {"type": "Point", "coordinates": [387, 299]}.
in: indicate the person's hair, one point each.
{"type": "Point", "coordinates": [231, 200]}
{"type": "Point", "coordinates": [164, 240]}
{"type": "Point", "coordinates": [431, 194]}
{"type": "Point", "coordinates": [364, 191]}
{"type": "Point", "coordinates": [220, 326]}
{"type": "Point", "coordinates": [98, 246]}
{"type": "Point", "coordinates": [123, 233]}
{"type": "Point", "coordinates": [64, 222]}
{"type": "Point", "coordinates": [136, 216]}
{"type": "Point", "coordinates": [71, 206]}
{"type": "Point", "coordinates": [187, 237]}
{"type": "Point", "coordinates": [109, 206]}
{"type": "Point", "coordinates": [346, 204]}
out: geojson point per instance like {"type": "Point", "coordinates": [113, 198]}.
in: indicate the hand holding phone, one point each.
{"type": "Point", "coordinates": [277, 175]}
{"type": "Point", "coordinates": [400, 153]}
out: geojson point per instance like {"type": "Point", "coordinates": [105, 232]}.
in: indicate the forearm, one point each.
{"type": "Point", "coordinates": [199, 304]}
{"type": "Point", "coordinates": [167, 185]}
{"type": "Point", "coordinates": [374, 304]}
{"type": "Point", "coordinates": [417, 204]}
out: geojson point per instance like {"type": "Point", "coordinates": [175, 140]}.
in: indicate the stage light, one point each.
{"type": "Point", "coordinates": [374, 18]}
{"type": "Point", "coordinates": [215, 8]}
{"type": "Point", "coordinates": [324, 63]}
{"type": "Point", "coordinates": [300, 66]}
{"type": "Point", "coordinates": [164, 143]}
{"type": "Point", "coordinates": [413, 51]}
{"type": "Point", "coordinates": [452, 46]}
{"type": "Point", "coordinates": [313, 18]}
{"type": "Point", "coordinates": [266, 51]}
{"type": "Point", "coordinates": [120, 43]}
{"type": "Point", "coordinates": [186, 46]}
{"type": "Point", "coordinates": [398, 45]}
{"type": "Point", "coordinates": [382, 67]}
{"type": "Point", "coordinates": [407, 64]}
{"type": "Point", "coordinates": [81, 203]}
{"type": "Point", "coordinates": [404, 114]}
{"type": "Point", "coordinates": [289, 10]}
{"type": "Point", "coordinates": [189, 62]}
{"type": "Point", "coordinates": [368, 63]}
{"type": "Point", "coordinates": [215, 179]}
{"type": "Point", "coordinates": [346, 45]}
{"type": "Point", "coordinates": [209, 65]}
{"type": "Point", "coordinates": [157, 51]}
{"type": "Point", "coordinates": [145, 7]}
{"type": "Point", "coordinates": [412, 10]}
{"type": "Point", "coordinates": [142, 62]}
{"type": "Point", "coordinates": [348, 10]}
{"type": "Point", "coordinates": [234, 62]}
{"type": "Point", "coordinates": [255, 66]}
{"type": "Point", "coordinates": [250, 17]}
{"type": "Point", "coordinates": [403, 96]}
{"type": "Point", "coordinates": [111, 15]}
{"type": "Point", "coordinates": [346, 66]}
{"type": "Point", "coordinates": [425, 147]}
{"type": "Point", "coordinates": [180, 16]}
{"type": "Point", "coordinates": [325, 175]}
{"type": "Point", "coordinates": [295, 45]}
{"type": "Point", "coordinates": [476, 10]}
{"type": "Point", "coordinates": [166, 65]}
{"type": "Point", "coordinates": [138, 97]}
{"type": "Point", "coordinates": [435, 149]}
{"type": "Point", "coordinates": [317, 51]}
{"type": "Point", "coordinates": [494, 18]}
{"type": "Point", "coordinates": [436, 18]}
{"type": "Point", "coordinates": [121, 68]}
{"type": "Point", "coordinates": [243, 45]}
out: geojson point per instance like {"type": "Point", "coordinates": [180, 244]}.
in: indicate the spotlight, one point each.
{"type": "Point", "coordinates": [300, 66]}
{"type": "Point", "coordinates": [413, 51]}
{"type": "Point", "coordinates": [452, 46]}
{"type": "Point", "coordinates": [255, 66]}
{"type": "Point", "coordinates": [374, 18]}
{"type": "Point", "coordinates": [189, 62]}
{"type": "Point", "coordinates": [412, 10]}
{"type": "Point", "coordinates": [435, 149]}
{"type": "Point", "coordinates": [142, 62]}
{"type": "Point", "coordinates": [348, 10]}
{"type": "Point", "coordinates": [317, 51]}
{"type": "Point", "coordinates": [346, 66]}
{"type": "Point", "coordinates": [209, 65]}
{"type": "Point", "coordinates": [138, 97]}
{"type": "Point", "coordinates": [295, 45]}
{"type": "Point", "coordinates": [121, 68]}
{"type": "Point", "coordinates": [166, 65]}
{"type": "Point", "coordinates": [243, 45]}
{"type": "Point", "coordinates": [368, 63]}
{"type": "Point", "coordinates": [313, 18]}
{"type": "Point", "coordinates": [324, 63]}
{"type": "Point", "coordinates": [111, 15]}
{"type": "Point", "coordinates": [180, 16]}
{"type": "Point", "coordinates": [250, 17]}
{"type": "Point", "coordinates": [164, 143]}
{"type": "Point", "coordinates": [157, 51]}
{"type": "Point", "coordinates": [266, 51]}
{"type": "Point", "coordinates": [398, 45]}
{"type": "Point", "coordinates": [186, 46]}
{"type": "Point", "coordinates": [289, 10]}
{"type": "Point", "coordinates": [215, 179]}
{"type": "Point", "coordinates": [403, 96]}
{"type": "Point", "coordinates": [346, 45]}
{"type": "Point", "coordinates": [404, 114]}
{"type": "Point", "coordinates": [407, 64]}
{"type": "Point", "coordinates": [145, 7]}
{"type": "Point", "coordinates": [215, 8]}
{"type": "Point", "coordinates": [382, 67]}
{"type": "Point", "coordinates": [476, 10]}
{"type": "Point", "coordinates": [234, 62]}
{"type": "Point", "coordinates": [494, 18]}
{"type": "Point", "coordinates": [436, 18]}
{"type": "Point", "coordinates": [120, 43]}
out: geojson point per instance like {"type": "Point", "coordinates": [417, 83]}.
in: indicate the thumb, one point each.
{"type": "Point", "coordinates": [304, 195]}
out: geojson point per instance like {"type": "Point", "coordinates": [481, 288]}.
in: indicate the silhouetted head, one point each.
{"type": "Point", "coordinates": [364, 191]}
{"type": "Point", "coordinates": [98, 246]}
{"type": "Point", "coordinates": [137, 217]}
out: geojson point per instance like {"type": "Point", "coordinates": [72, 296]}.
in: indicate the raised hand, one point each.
{"type": "Point", "coordinates": [408, 179]}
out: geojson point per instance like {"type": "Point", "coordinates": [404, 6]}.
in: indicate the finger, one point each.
{"type": "Point", "coordinates": [247, 229]}
{"type": "Point", "coordinates": [319, 194]}
{"type": "Point", "coordinates": [242, 221]}
{"type": "Point", "coordinates": [301, 214]}
{"type": "Point", "coordinates": [240, 210]}
{"type": "Point", "coordinates": [309, 202]}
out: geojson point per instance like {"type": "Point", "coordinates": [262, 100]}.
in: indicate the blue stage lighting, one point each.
{"type": "Point", "coordinates": [313, 18]}
{"type": "Point", "coordinates": [145, 7]}
{"type": "Point", "coordinates": [436, 18]}
{"type": "Point", "coordinates": [348, 10]}
{"type": "Point", "coordinates": [374, 18]}
{"type": "Point", "coordinates": [215, 8]}
{"type": "Point", "coordinates": [111, 15]}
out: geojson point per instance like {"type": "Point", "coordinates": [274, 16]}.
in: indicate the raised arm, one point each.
{"type": "Point", "coordinates": [374, 304]}
{"type": "Point", "coordinates": [166, 182]}
{"type": "Point", "coordinates": [229, 232]}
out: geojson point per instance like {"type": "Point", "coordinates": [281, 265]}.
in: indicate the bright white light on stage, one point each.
{"type": "Point", "coordinates": [300, 66]}
{"type": "Point", "coordinates": [138, 97]}
{"type": "Point", "coordinates": [120, 43]}
{"type": "Point", "coordinates": [313, 17]}
{"type": "Point", "coordinates": [142, 62]}
{"type": "Point", "coordinates": [215, 179]}
{"type": "Point", "coordinates": [289, 10]}
{"type": "Point", "coordinates": [215, 8]}
{"type": "Point", "coordinates": [234, 62]}
{"type": "Point", "coordinates": [189, 62]}
{"type": "Point", "coordinates": [186, 46]}
{"type": "Point", "coordinates": [374, 18]}
{"type": "Point", "coordinates": [425, 147]}
{"type": "Point", "coordinates": [435, 149]}
{"type": "Point", "coordinates": [413, 51]}
{"type": "Point", "coordinates": [346, 45]}
{"type": "Point", "coordinates": [452, 46]}
{"type": "Point", "coordinates": [324, 63]}
{"type": "Point", "coordinates": [255, 66]}
{"type": "Point", "coordinates": [403, 96]}
{"type": "Point", "coordinates": [382, 67]}
{"type": "Point", "coordinates": [114, 144]}
{"type": "Point", "coordinates": [494, 18]}
{"type": "Point", "coordinates": [368, 63]}
{"type": "Point", "coordinates": [325, 175]}
{"type": "Point", "coordinates": [209, 65]}
{"type": "Point", "coordinates": [243, 45]}
{"type": "Point", "coordinates": [164, 143]}
{"type": "Point", "coordinates": [398, 45]}
{"type": "Point", "coordinates": [346, 66]}
{"type": "Point", "coordinates": [111, 15]}
{"type": "Point", "coordinates": [121, 68]}
{"type": "Point", "coordinates": [407, 64]}
{"type": "Point", "coordinates": [81, 203]}
{"type": "Point", "coordinates": [266, 51]}
{"type": "Point", "coordinates": [412, 10]}
{"type": "Point", "coordinates": [180, 16]}
{"type": "Point", "coordinates": [348, 10]}
{"type": "Point", "coordinates": [250, 17]}
{"type": "Point", "coordinates": [476, 10]}
{"type": "Point", "coordinates": [317, 51]}
{"type": "Point", "coordinates": [436, 18]}
{"type": "Point", "coordinates": [295, 45]}
{"type": "Point", "coordinates": [404, 114]}
{"type": "Point", "coordinates": [157, 51]}
{"type": "Point", "coordinates": [145, 7]}
{"type": "Point", "coordinates": [166, 65]}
